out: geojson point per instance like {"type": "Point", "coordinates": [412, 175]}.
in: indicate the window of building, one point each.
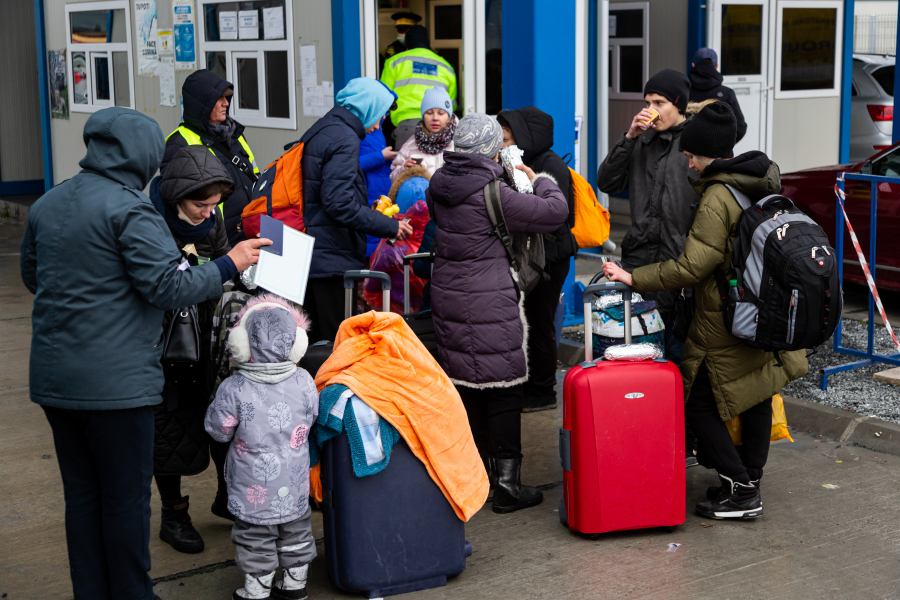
{"type": "Point", "coordinates": [98, 44]}
{"type": "Point", "coordinates": [629, 49]}
{"type": "Point", "coordinates": [249, 44]}
{"type": "Point", "coordinates": [808, 49]}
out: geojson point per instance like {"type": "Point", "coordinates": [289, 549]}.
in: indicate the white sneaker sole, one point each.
{"type": "Point", "coordinates": [736, 514]}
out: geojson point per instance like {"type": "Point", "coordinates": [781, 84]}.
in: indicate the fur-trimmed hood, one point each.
{"type": "Point", "coordinates": [279, 335]}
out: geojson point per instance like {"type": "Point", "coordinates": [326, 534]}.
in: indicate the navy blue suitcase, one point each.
{"type": "Point", "coordinates": [388, 533]}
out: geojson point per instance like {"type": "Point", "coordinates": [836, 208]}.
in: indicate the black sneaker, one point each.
{"type": "Point", "coordinates": [714, 491]}
{"type": "Point", "coordinates": [742, 501]}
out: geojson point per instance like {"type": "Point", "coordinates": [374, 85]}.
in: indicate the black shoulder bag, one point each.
{"type": "Point", "coordinates": [182, 329]}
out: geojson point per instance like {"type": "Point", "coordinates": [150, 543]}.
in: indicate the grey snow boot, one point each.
{"type": "Point", "coordinates": [509, 493]}
{"type": "Point", "coordinates": [293, 585]}
{"type": "Point", "coordinates": [737, 501]}
{"type": "Point", "coordinates": [256, 587]}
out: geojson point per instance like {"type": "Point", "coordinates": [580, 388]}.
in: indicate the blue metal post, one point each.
{"type": "Point", "coordinates": [345, 41]}
{"type": "Point", "coordinates": [538, 34]}
{"type": "Point", "coordinates": [43, 81]}
{"type": "Point", "coordinates": [839, 250]}
{"type": "Point", "coordinates": [846, 82]}
{"type": "Point", "coordinates": [895, 137]}
{"type": "Point", "coordinates": [593, 113]}
{"type": "Point", "coordinates": [697, 28]}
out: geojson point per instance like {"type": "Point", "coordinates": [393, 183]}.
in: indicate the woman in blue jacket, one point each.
{"type": "Point", "coordinates": [375, 160]}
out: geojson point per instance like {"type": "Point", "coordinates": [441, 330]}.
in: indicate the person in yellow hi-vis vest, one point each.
{"type": "Point", "coordinates": [206, 122]}
{"type": "Point", "coordinates": [409, 74]}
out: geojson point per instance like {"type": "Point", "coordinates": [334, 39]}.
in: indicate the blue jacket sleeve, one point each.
{"type": "Point", "coordinates": [370, 157]}
{"type": "Point", "coordinates": [338, 175]}
{"type": "Point", "coordinates": [151, 261]}
{"type": "Point", "coordinates": [28, 259]}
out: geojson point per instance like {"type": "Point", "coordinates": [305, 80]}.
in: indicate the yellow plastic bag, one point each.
{"type": "Point", "coordinates": [779, 423]}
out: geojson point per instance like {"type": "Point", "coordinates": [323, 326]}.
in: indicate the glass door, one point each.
{"type": "Point", "coordinates": [739, 33]}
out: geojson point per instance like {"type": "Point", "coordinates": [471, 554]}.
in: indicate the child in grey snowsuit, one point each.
{"type": "Point", "coordinates": [266, 411]}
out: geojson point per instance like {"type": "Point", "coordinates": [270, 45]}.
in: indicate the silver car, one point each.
{"type": "Point", "coordinates": [872, 107]}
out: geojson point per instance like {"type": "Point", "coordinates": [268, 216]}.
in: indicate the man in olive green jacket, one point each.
{"type": "Point", "coordinates": [723, 377]}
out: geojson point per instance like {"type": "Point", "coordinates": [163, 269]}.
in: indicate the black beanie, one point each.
{"type": "Point", "coordinates": [711, 132]}
{"type": "Point", "coordinates": [416, 37]}
{"type": "Point", "coordinates": [672, 84]}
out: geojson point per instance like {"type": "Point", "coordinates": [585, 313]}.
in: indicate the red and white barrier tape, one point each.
{"type": "Point", "coordinates": [865, 265]}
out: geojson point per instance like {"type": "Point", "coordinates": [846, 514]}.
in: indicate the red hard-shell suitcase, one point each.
{"type": "Point", "coordinates": [622, 440]}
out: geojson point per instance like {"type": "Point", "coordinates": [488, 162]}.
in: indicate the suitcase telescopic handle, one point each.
{"type": "Point", "coordinates": [587, 297]}
{"type": "Point", "coordinates": [406, 260]}
{"type": "Point", "coordinates": [352, 276]}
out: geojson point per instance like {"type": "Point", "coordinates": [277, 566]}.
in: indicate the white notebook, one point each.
{"type": "Point", "coordinates": [288, 274]}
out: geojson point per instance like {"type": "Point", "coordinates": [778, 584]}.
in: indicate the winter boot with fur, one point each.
{"type": "Point", "coordinates": [509, 493]}
{"type": "Point", "coordinates": [737, 501]}
{"type": "Point", "coordinates": [176, 528]}
{"type": "Point", "coordinates": [293, 586]}
{"type": "Point", "coordinates": [256, 587]}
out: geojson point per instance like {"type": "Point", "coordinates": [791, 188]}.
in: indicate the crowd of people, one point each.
{"type": "Point", "coordinates": [132, 416]}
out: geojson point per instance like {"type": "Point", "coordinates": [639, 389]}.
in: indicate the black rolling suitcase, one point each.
{"type": "Point", "coordinates": [421, 323]}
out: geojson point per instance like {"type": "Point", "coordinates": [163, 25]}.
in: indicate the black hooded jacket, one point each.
{"type": "Point", "coordinates": [532, 129]}
{"type": "Point", "coordinates": [706, 83]}
{"type": "Point", "coordinates": [201, 90]}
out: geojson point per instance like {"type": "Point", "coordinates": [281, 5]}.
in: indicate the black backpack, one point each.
{"type": "Point", "coordinates": [788, 293]}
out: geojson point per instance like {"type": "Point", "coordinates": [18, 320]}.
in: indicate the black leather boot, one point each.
{"type": "Point", "coordinates": [176, 528]}
{"type": "Point", "coordinates": [220, 506]}
{"type": "Point", "coordinates": [509, 493]}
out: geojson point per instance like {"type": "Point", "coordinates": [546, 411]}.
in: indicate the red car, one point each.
{"type": "Point", "coordinates": [812, 190]}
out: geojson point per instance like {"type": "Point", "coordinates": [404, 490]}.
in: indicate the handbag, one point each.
{"type": "Point", "coordinates": [182, 330]}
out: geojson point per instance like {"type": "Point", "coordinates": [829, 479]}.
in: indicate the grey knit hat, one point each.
{"type": "Point", "coordinates": [478, 134]}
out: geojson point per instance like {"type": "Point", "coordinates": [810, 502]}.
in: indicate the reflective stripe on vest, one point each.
{"type": "Point", "coordinates": [193, 139]}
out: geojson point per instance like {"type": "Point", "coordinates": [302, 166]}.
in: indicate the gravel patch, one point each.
{"type": "Point", "coordinates": [855, 390]}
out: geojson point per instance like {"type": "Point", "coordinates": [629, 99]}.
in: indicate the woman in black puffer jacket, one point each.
{"type": "Point", "coordinates": [186, 196]}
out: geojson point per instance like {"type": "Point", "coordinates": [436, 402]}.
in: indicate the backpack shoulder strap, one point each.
{"type": "Point", "coordinates": [495, 214]}
{"type": "Point", "coordinates": [740, 196]}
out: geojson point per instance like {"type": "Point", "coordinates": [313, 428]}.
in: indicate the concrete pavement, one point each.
{"type": "Point", "coordinates": [812, 543]}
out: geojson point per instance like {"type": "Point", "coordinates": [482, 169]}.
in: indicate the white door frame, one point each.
{"type": "Point", "coordinates": [472, 80]}
{"type": "Point", "coordinates": [368, 9]}
{"type": "Point", "coordinates": [714, 41]}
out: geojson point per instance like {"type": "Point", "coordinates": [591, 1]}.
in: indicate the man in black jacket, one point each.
{"type": "Point", "coordinates": [706, 83]}
{"type": "Point", "coordinates": [531, 130]}
{"type": "Point", "coordinates": [206, 122]}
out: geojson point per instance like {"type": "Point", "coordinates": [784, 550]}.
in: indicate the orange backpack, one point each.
{"type": "Point", "coordinates": [278, 193]}
{"type": "Point", "coordinates": [591, 219]}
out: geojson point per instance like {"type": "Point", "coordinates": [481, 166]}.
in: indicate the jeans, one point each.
{"type": "Point", "coordinates": [715, 448]}
{"type": "Point", "coordinates": [106, 461]}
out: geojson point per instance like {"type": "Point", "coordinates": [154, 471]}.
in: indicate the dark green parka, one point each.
{"type": "Point", "coordinates": [741, 376]}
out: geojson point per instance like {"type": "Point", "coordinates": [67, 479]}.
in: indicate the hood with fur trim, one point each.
{"type": "Point", "coordinates": [269, 330]}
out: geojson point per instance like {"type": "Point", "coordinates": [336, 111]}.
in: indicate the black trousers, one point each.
{"type": "Point", "coordinates": [715, 449]}
{"type": "Point", "coordinates": [495, 417]}
{"type": "Point", "coordinates": [106, 461]}
{"type": "Point", "coordinates": [324, 303]}
{"type": "Point", "coordinates": [169, 486]}
{"type": "Point", "coordinates": [540, 311]}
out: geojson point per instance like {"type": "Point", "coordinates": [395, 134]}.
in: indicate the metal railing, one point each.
{"type": "Point", "coordinates": [875, 34]}
{"type": "Point", "coordinates": [869, 356]}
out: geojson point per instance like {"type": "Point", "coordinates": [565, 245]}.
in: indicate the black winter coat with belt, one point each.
{"type": "Point", "coordinates": [335, 204]}
{"type": "Point", "coordinates": [180, 440]}
{"type": "Point", "coordinates": [201, 90]}
{"type": "Point", "coordinates": [532, 129]}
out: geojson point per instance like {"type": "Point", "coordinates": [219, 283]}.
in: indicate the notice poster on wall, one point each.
{"type": "Point", "coordinates": [59, 87]}
{"type": "Point", "coordinates": [228, 27]}
{"type": "Point", "coordinates": [167, 80]}
{"type": "Point", "coordinates": [165, 44]}
{"type": "Point", "coordinates": [183, 25]}
{"type": "Point", "coordinates": [146, 24]}
{"type": "Point", "coordinates": [248, 25]}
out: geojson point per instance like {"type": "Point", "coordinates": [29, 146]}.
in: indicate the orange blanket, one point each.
{"type": "Point", "coordinates": [378, 356]}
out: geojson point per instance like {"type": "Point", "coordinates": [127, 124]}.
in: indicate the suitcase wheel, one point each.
{"type": "Point", "coordinates": [670, 528]}
{"type": "Point", "coordinates": [562, 512]}
{"type": "Point", "coordinates": [593, 536]}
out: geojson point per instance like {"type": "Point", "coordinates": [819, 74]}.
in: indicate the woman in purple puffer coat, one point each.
{"type": "Point", "coordinates": [478, 316]}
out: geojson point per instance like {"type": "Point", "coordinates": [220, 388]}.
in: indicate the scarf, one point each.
{"type": "Point", "coordinates": [267, 372]}
{"type": "Point", "coordinates": [436, 143]}
{"type": "Point", "coordinates": [181, 229]}
{"type": "Point", "coordinates": [223, 131]}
